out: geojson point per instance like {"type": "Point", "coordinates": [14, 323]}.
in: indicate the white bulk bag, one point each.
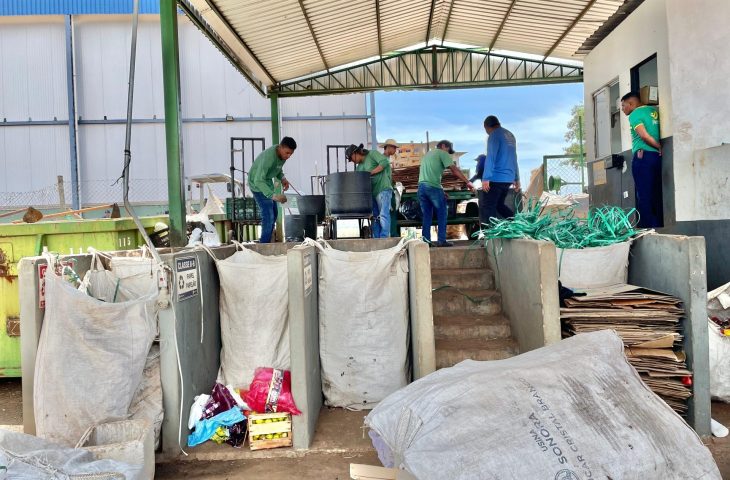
{"type": "Point", "coordinates": [363, 325]}
{"type": "Point", "coordinates": [573, 410]}
{"type": "Point", "coordinates": [90, 356]}
{"type": "Point", "coordinates": [718, 305]}
{"type": "Point", "coordinates": [594, 267]}
{"type": "Point", "coordinates": [138, 275]}
{"type": "Point", "coordinates": [25, 457]}
{"type": "Point", "coordinates": [254, 309]}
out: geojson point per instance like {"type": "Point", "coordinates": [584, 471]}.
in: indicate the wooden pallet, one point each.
{"type": "Point", "coordinates": [263, 427]}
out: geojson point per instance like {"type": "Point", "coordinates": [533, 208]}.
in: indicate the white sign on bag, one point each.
{"type": "Point", "coordinates": [307, 275]}
{"type": "Point", "coordinates": [186, 278]}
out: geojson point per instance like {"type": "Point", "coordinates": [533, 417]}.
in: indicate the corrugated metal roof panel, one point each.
{"type": "Point", "coordinates": [75, 7]}
{"type": "Point", "coordinates": [342, 32]}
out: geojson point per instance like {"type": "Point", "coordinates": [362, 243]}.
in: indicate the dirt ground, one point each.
{"type": "Point", "coordinates": [324, 463]}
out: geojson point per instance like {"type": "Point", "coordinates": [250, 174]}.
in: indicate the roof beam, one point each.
{"type": "Point", "coordinates": [314, 37]}
{"type": "Point", "coordinates": [377, 23]}
{"type": "Point", "coordinates": [570, 27]}
{"type": "Point", "coordinates": [219, 18]}
{"type": "Point", "coordinates": [446, 24]}
{"type": "Point", "coordinates": [430, 21]}
{"type": "Point", "coordinates": [501, 25]}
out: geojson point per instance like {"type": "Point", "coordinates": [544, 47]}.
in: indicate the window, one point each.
{"type": "Point", "coordinates": [607, 119]}
{"type": "Point", "coordinates": [645, 74]}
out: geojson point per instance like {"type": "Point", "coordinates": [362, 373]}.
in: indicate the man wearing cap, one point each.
{"type": "Point", "coordinates": [431, 194]}
{"type": "Point", "coordinates": [267, 167]}
{"type": "Point", "coordinates": [390, 147]}
{"type": "Point", "coordinates": [381, 180]}
{"type": "Point", "coordinates": [500, 171]}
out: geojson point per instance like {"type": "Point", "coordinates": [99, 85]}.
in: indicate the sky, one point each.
{"type": "Point", "coordinates": [537, 115]}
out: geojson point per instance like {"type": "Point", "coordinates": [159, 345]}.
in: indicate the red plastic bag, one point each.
{"type": "Point", "coordinates": [264, 397]}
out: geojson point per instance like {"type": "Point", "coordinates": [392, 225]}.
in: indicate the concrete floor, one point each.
{"type": "Point", "coordinates": [338, 442]}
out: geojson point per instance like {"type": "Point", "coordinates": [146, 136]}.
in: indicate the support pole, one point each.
{"type": "Point", "coordinates": [373, 130]}
{"type": "Point", "coordinates": [71, 96]}
{"type": "Point", "coordinates": [582, 161]}
{"type": "Point", "coordinates": [275, 139]}
{"type": "Point", "coordinates": [173, 124]}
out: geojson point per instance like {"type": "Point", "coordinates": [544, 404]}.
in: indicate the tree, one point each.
{"type": "Point", "coordinates": [572, 136]}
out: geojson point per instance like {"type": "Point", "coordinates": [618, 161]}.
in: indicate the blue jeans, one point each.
{"type": "Point", "coordinates": [269, 211]}
{"type": "Point", "coordinates": [433, 199]}
{"type": "Point", "coordinates": [381, 214]}
{"type": "Point", "coordinates": [647, 172]}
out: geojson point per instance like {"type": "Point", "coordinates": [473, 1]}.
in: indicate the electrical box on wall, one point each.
{"type": "Point", "coordinates": [613, 161]}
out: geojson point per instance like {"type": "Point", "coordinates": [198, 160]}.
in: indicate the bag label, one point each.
{"type": "Point", "coordinates": [186, 270]}
{"type": "Point", "coordinates": [308, 275]}
{"type": "Point", "coordinates": [42, 268]}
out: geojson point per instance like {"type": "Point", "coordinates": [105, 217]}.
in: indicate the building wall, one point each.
{"type": "Point", "coordinates": [641, 35]}
{"type": "Point", "coordinates": [690, 40]}
{"type": "Point", "coordinates": [698, 40]}
{"type": "Point", "coordinates": [34, 86]}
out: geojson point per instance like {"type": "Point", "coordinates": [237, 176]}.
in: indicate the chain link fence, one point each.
{"type": "Point", "coordinates": [103, 192]}
{"type": "Point", "coordinates": [564, 174]}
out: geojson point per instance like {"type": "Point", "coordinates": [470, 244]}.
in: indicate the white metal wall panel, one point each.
{"type": "Point", "coordinates": [32, 73]}
{"type": "Point", "coordinates": [353, 104]}
{"type": "Point", "coordinates": [102, 63]}
{"type": "Point", "coordinates": [32, 156]}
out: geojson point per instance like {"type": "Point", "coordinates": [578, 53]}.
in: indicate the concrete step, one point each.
{"type": "Point", "coordinates": [476, 278]}
{"type": "Point", "coordinates": [471, 326]}
{"type": "Point", "coordinates": [450, 352]}
{"type": "Point", "coordinates": [453, 302]}
{"type": "Point", "coordinates": [458, 257]}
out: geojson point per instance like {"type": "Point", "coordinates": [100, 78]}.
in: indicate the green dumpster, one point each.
{"type": "Point", "coordinates": [27, 240]}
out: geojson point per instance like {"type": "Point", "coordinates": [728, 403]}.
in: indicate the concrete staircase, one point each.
{"type": "Point", "coordinates": [467, 310]}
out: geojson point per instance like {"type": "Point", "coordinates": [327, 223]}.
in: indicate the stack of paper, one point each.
{"type": "Point", "coordinates": [649, 324]}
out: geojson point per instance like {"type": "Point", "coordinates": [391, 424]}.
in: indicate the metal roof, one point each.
{"type": "Point", "coordinates": [278, 41]}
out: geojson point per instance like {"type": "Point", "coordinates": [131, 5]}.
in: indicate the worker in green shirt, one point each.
{"type": "Point", "coordinates": [267, 167]}
{"type": "Point", "coordinates": [431, 195]}
{"type": "Point", "coordinates": [381, 179]}
{"type": "Point", "coordinates": [646, 165]}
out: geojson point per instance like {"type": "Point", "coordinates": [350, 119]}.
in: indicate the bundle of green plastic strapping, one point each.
{"type": "Point", "coordinates": [603, 226]}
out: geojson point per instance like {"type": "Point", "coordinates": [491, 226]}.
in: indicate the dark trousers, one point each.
{"type": "Point", "coordinates": [647, 172]}
{"type": "Point", "coordinates": [491, 203]}
{"type": "Point", "coordinates": [432, 200]}
{"type": "Point", "coordinates": [269, 212]}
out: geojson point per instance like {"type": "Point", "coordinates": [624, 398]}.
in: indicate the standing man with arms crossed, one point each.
{"type": "Point", "coordinates": [267, 167]}
{"type": "Point", "coordinates": [500, 171]}
{"type": "Point", "coordinates": [381, 180]}
{"type": "Point", "coordinates": [431, 194]}
{"type": "Point", "coordinates": [646, 165]}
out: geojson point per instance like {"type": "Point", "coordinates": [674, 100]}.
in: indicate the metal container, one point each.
{"type": "Point", "coordinates": [307, 205]}
{"type": "Point", "coordinates": [28, 239]}
{"type": "Point", "coordinates": [349, 193]}
{"type": "Point", "coordinates": [299, 227]}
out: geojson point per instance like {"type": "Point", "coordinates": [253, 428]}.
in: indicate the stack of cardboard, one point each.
{"type": "Point", "coordinates": [408, 176]}
{"type": "Point", "coordinates": [649, 323]}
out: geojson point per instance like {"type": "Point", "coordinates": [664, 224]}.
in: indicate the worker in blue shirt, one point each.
{"type": "Point", "coordinates": [480, 168]}
{"type": "Point", "coordinates": [500, 171]}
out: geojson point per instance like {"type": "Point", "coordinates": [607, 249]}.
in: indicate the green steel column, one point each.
{"type": "Point", "coordinates": [275, 139]}
{"type": "Point", "coordinates": [173, 125]}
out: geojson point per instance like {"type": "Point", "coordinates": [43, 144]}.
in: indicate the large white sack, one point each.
{"type": "Point", "coordinates": [595, 266]}
{"type": "Point", "coordinates": [363, 325]}
{"type": "Point", "coordinates": [90, 357]}
{"type": "Point", "coordinates": [31, 458]}
{"type": "Point", "coordinates": [718, 305]}
{"type": "Point", "coordinates": [573, 410]}
{"type": "Point", "coordinates": [254, 308]}
{"type": "Point", "coordinates": [138, 276]}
